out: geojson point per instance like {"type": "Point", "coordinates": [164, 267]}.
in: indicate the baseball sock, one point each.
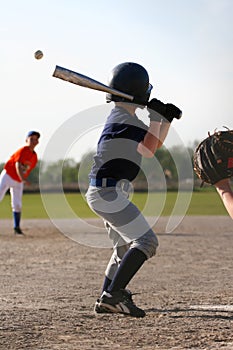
{"type": "Point", "coordinates": [16, 216]}
{"type": "Point", "coordinates": [130, 264]}
{"type": "Point", "coordinates": [106, 284]}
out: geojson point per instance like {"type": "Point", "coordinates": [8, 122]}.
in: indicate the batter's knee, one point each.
{"type": "Point", "coordinates": [148, 244]}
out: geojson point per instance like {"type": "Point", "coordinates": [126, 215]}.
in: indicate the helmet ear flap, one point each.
{"type": "Point", "coordinates": [133, 79]}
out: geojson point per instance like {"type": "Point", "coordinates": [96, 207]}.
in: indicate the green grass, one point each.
{"type": "Point", "coordinates": [202, 203]}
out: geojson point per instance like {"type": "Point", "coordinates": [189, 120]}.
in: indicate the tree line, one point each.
{"type": "Point", "coordinates": [173, 165]}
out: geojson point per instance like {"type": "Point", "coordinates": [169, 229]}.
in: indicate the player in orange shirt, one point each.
{"type": "Point", "coordinates": [15, 173]}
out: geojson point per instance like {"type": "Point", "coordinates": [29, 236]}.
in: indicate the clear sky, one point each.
{"type": "Point", "coordinates": [185, 45]}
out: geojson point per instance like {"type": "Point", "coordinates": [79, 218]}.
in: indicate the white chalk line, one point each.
{"type": "Point", "coordinates": [207, 307]}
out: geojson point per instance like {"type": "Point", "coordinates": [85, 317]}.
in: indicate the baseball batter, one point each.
{"type": "Point", "coordinates": [123, 142]}
{"type": "Point", "coordinates": [15, 173]}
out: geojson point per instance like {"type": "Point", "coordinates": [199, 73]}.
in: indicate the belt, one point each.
{"type": "Point", "coordinates": [105, 182]}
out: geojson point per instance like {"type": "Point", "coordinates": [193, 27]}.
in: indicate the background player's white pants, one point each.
{"type": "Point", "coordinates": [16, 190]}
{"type": "Point", "coordinates": [127, 227]}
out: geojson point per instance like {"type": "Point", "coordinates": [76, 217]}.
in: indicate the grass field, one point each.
{"type": "Point", "coordinates": [202, 203]}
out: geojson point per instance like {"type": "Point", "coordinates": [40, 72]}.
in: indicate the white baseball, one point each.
{"type": "Point", "coordinates": [38, 54]}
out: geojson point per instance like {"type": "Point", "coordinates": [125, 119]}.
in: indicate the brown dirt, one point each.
{"type": "Point", "coordinates": [49, 284]}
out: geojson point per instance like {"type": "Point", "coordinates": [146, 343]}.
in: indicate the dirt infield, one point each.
{"type": "Point", "coordinates": [49, 284]}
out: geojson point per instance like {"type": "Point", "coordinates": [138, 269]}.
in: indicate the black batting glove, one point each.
{"type": "Point", "coordinates": [167, 112]}
{"type": "Point", "coordinates": [172, 112]}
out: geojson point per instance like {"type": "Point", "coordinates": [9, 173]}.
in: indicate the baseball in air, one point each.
{"type": "Point", "coordinates": [38, 54]}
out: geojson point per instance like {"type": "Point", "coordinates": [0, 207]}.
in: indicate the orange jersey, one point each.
{"type": "Point", "coordinates": [24, 156]}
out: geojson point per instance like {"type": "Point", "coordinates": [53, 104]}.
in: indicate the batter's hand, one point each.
{"type": "Point", "coordinates": [168, 111]}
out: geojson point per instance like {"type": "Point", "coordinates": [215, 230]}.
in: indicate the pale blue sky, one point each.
{"type": "Point", "coordinates": [186, 46]}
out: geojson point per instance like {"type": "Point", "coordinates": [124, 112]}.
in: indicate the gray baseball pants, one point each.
{"type": "Point", "coordinates": [126, 226]}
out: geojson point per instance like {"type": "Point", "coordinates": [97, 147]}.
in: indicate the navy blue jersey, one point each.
{"type": "Point", "coordinates": [117, 156]}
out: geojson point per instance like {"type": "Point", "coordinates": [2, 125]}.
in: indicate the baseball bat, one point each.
{"type": "Point", "coordinates": [87, 82]}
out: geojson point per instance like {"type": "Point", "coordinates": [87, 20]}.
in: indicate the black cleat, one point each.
{"type": "Point", "coordinates": [18, 231]}
{"type": "Point", "coordinates": [99, 309]}
{"type": "Point", "coordinates": [118, 302]}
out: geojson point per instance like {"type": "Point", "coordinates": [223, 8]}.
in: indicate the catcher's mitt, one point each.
{"type": "Point", "coordinates": [213, 157]}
